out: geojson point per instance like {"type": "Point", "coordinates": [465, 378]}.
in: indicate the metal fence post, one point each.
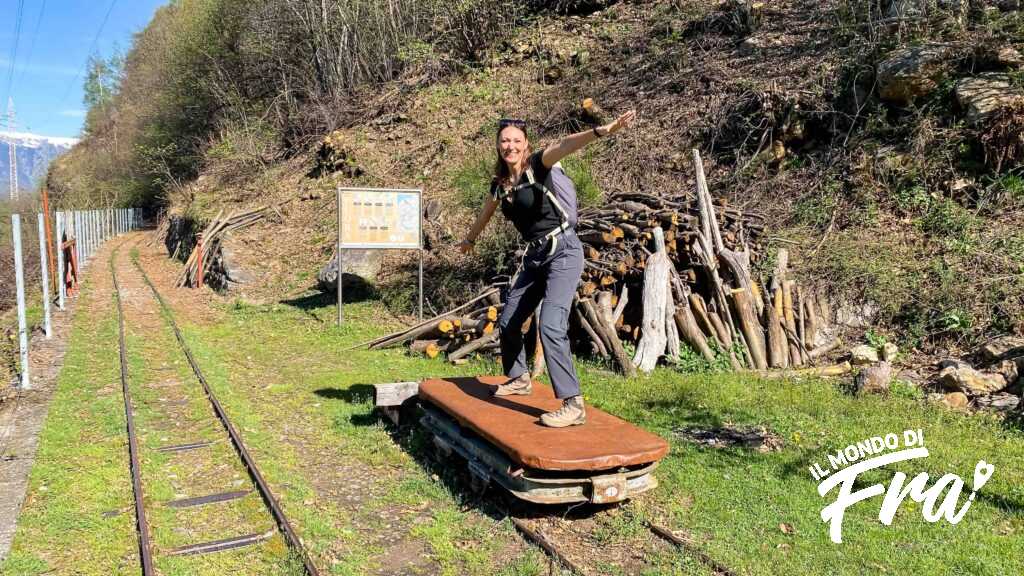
{"type": "Point", "coordinates": [79, 238]}
{"type": "Point", "coordinates": [86, 237]}
{"type": "Point", "coordinates": [19, 271]}
{"type": "Point", "coordinates": [87, 233]}
{"type": "Point", "coordinates": [60, 259]}
{"type": "Point", "coordinates": [43, 265]}
{"type": "Point", "coordinates": [74, 234]}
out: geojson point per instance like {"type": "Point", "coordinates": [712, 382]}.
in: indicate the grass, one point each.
{"type": "Point", "coordinates": [80, 467]}
{"type": "Point", "coordinates": [732, 501]}
{"type": "Point", "coordinates": [303, 404]}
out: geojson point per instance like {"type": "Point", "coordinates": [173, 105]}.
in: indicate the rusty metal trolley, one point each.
{"type": "Point", "coordinates": [603, 461]}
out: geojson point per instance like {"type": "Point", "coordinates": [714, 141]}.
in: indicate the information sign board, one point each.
{"type": "Point", "coordinates": [380, 218]}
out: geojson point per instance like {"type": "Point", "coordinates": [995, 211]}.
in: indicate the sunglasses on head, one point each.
{"type": "Point", "coordinates": [506, 122]}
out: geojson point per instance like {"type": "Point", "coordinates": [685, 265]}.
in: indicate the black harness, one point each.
{"type": "Point", "coordinates": [553, 235]}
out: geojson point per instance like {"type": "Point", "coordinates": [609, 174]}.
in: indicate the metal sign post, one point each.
{"type": "Point", "coordinates": [375, 219]}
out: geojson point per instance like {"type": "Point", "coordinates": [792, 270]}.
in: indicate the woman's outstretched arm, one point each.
{"type": "Point", "coordinates": [574, 142]}
{"type": "Point", "coordinates": [481, 222]}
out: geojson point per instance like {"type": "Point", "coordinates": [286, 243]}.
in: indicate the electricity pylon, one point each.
{"type": "Point", "coordinates": [12, 150]}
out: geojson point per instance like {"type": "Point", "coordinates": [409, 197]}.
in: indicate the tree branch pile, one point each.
{"type": "Point", "coordinates": [208, 242]}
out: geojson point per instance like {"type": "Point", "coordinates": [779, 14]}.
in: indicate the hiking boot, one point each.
{"type": "Point", "coordinates": [571, 413]}
{"type": "Point", "coordinates": [521, 386]}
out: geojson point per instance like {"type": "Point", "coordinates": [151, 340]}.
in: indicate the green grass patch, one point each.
{"type": "Point", "coordinates": [303, 403]}
{"type": "Point", "coordinates": [81, 467]}
{"type": "Point", "coordinates": [732, 501]}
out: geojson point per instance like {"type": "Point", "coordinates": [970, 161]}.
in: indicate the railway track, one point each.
{"type": "Point", "coordinates": [557, 552]}
{"type": "Point", "coordinates": [147, 551]}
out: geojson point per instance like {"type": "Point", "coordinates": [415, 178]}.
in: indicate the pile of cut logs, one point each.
{"type": "Point", "coordinates": [208, 242]}
{"type": "Point", "coordinates": [660, 271]}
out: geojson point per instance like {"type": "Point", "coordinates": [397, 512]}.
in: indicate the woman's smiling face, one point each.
{"type": "Point", "coordinates": [512, 145]}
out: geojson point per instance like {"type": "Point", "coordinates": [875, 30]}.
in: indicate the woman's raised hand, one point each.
{"type": "Point", "coordinates": [621, 122]}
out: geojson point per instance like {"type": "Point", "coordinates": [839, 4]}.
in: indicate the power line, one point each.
{"type": "Point", "coordinates": [92, 48]}
{"type": "Point", "coordinates": [32, 46]}
{"type": "Point", "coordinates": [14, 49]}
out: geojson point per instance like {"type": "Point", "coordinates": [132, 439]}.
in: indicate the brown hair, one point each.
{"type": "Point", "coordinates": [502, 175]}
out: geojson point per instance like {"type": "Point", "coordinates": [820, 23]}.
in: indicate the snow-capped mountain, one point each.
{"type": "Point", "coordinates": [34, 154]}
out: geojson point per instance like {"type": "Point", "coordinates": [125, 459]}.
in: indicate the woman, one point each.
{"type": "Point", "coordinates": [540, 201]}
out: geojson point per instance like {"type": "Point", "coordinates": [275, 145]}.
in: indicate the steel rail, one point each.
{"type": "Point", "coordinates": [145, 548]}
{"type": "Point", "coordinates": [552, 549]}
{"type": "Point", "coordinates": [236, 439]}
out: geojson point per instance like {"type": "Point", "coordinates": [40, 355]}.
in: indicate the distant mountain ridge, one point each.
{"type": "Point", "coordinates": [34, 154]}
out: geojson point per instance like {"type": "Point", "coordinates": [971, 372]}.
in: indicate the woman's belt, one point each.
{"type": "Point", "coordinates": [551, 236]}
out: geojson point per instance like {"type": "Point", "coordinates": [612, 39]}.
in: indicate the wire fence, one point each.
{"type": "Point", "coordinates": [42, 258]}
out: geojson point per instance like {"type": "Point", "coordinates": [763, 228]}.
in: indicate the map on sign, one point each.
{"type": "Point", "coordinates": [380, 218]}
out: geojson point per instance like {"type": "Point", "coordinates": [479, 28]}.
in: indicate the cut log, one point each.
{"type": "Point", "coordinates": [778, 344]}
{"type": "Point", "coordinates": [610, 338]}
{"type": "Point", "coordinates": [691, 333]}
{"type": "Point", "coordinates": [472, 346]}
{"type": "Point", "coordinates": [595, 340]}
{"type": "Point", "coordinates": [789, 319]}
{"type": "Point", "coordinates": [410, 333]}
{"type": "Point", "coordinates": [620, 306]}
{"type": "Point", "coordinates": [597, 238]}
{"type": "Point", "coordinates": [671, 330]}
{"type": "Point", "coordinates": [811, 335]}
{"type": "Point", "coordinates": [823, 349]}
{"type": "Point", "coordinates": [701, 314]}
{"type": "Point", "coordinates": [750, 327]}
{"type": "Point", "coordinates": [653, 338]}
{"type": "Point", "coordinates": [738, 265]}
{"type": "Point", "coordinates": [834, 370]}
{"type": "Point", "coordinates": [429, 348]}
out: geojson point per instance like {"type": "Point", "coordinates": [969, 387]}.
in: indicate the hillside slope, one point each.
{"type": "Point", "coordinates": [904, 204]}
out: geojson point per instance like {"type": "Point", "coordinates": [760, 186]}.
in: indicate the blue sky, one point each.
{"type": "Point", "coordinates": [49, 64]}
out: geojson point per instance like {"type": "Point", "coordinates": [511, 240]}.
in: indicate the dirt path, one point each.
{"type": "Point", "coordinates": [22, 417]}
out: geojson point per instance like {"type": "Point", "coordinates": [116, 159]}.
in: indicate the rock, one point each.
{"type": "Point", "coordinates": [1012, 369]}
{"type": "Point", "coordinates": [910, 73]}
{"type": "Point", "coordinates": [1001, 402]}
{"type": "Point", "coordinates": [874, 379]}
{"type": "Point", "coordinates": [983, 95]}
{"type": "Point", "coordinates": [1009, 56]}
{"type": "Point", "coordinates": [963, 378]}
{"type": "Point", "coordinates": [756, 44]}
{"type": "Point", "coordinates": [233, 271]}
{"type": "Point", "coordinates": [1002, 347]}
{"type": "Point", "coordinates": [956, 400]}
{"type": "Point", "coordinates": [863, 354]}
{"type": "Point", "coordinates": [889, 351]}
{"type": "Point", "coordinates": [1009, 5]}
{"type": "Point", "coordinates": [946, 363]}
{"type": "Point", "coordinates": [911, 377]}
{"type": "Point", "coordinates": [856, 315]}
{"type": "Point", "coordinates": [354, 287]}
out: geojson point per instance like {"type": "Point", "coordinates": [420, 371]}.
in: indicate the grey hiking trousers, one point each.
{"type": "Point", "coordinates": [553, 278]}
